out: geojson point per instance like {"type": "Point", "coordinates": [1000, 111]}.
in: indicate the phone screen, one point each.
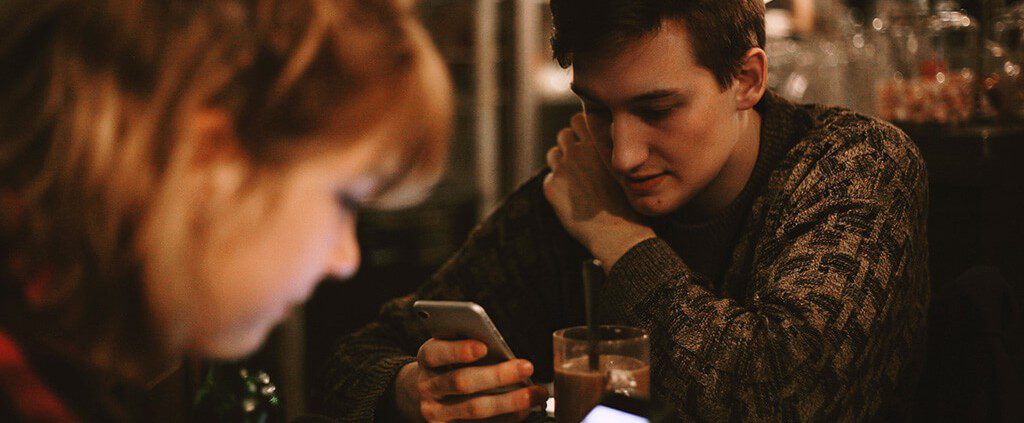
{"type": "Point", "coordinates": [605, 414]}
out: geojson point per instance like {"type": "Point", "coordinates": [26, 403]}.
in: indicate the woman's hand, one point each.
{"type": "Point", "coordinates": [586, 198]}
{"type": "Point", "coordinates": [429, 390]}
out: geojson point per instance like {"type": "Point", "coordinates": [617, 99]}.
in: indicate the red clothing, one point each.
{"type": "Point", "coordinates": [27, 397]}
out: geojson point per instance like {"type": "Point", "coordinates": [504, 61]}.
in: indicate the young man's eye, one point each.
{"type": "Point", "coordinates": [655, 113]}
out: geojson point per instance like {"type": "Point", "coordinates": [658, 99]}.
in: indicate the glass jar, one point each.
{"type": "Point", "coordinates": [832, 65]}
{"type": "Point", "coordinates": [956, 62]}
{"type": "Point", "coordinates": [929, 72]}
{"type": "Point", "coordinates": [1004, 59]}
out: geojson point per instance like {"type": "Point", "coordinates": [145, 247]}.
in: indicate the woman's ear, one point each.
{"type": "Point", "coordinates": [752, 80]}
{"type": "Point", "coordinates": [217, 156]}
{"type": "Point", "coordinates": [215, 136]}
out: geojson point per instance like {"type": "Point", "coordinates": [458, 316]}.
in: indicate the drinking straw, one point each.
{"type": "Point", "coordinates": [592, 274]}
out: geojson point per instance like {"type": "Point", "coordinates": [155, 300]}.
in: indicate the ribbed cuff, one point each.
{"type": "Point", "coordinates": [375, 382]}
{"type": "Point", "coordinates": [646, 267]}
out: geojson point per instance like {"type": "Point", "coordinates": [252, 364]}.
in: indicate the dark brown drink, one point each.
{"type": "Point", "coordinates": [578, 389]}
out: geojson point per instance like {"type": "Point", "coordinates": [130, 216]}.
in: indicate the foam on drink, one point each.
{"type": "Point", "coordinates": [578, 389]}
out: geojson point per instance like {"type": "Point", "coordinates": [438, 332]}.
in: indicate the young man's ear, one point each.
{"type": "Point", "coordinates": [752, 80]}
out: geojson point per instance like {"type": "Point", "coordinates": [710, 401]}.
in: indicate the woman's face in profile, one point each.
{"type": "Point", "coordinates": [262, 250]}
{"type": "Point", "coordinates": [259, 264]}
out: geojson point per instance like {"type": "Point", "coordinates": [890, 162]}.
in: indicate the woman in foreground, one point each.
{"type": "Point", "coordinates": [176, 175]}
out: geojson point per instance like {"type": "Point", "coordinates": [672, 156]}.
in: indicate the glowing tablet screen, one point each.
{"type": "Point", "coordinates": [605, 414]}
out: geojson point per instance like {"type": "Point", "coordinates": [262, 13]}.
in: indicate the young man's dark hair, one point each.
{"type": "Point", "coordinates": [721, 30]}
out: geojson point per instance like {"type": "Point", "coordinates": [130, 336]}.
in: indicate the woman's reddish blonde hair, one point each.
{"type": "Point", "coordinates": [95, 96]}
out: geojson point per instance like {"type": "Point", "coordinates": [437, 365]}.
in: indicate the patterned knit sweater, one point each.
{"type": "Point", "coordinates": [804, 300]}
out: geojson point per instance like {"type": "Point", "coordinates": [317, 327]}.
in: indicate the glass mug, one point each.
{"type": "Point", "coordinates": [623, 367]}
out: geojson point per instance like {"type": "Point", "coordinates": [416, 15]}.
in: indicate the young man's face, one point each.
{"type": "Point", "coordinates": [663, 123]}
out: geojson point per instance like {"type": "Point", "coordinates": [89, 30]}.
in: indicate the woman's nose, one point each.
{"type": "Point", "coordinates": [344, 260]}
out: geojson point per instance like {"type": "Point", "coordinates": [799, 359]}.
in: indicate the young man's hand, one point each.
{"type": "Point", "coordinates": [586, 198]}
{"type": "Point", "coordinates": [429, 390]}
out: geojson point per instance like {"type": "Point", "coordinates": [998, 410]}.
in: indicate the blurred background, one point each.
{"type": "Point", "coordinates": [947, 72]}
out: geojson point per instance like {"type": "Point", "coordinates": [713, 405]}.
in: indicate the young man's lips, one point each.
{"type": "Point", "coordinates": [645, 183]}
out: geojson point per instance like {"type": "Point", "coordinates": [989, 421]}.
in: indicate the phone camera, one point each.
{"type": "Point", "coordinates": [423, 314]}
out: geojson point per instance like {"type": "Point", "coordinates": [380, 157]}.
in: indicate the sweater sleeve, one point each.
{"type": "Point", "coordinates": [835, 299]}
{"type": "Point", "coordinates": [512, 265]}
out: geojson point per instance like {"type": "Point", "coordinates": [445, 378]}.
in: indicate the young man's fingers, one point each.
{"type": "Point", "coordinates": [470, 380]}
{"type": "Point", "coordinates": [566, 139]}
{"type": "Point", "coordinates": [484, 406]}
{"type": "Point", "coordinates": [553, 157]}
{"type": "Point", "coordinates": [437, 353]}
{"type": "Point", "coordinates": [579, 127]}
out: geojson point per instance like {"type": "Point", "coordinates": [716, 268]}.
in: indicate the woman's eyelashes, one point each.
{"type": "Point", "coordinates": [349, 202]}
{"type": "Point", "coordinates": [356, 196]}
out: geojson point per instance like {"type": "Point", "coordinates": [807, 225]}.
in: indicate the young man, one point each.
{"type": "Point", "coordinates": [775, 253]}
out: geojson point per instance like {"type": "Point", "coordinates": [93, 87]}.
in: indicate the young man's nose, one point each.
{"type": "Point", "coordinates": [629, 150]}
{"type": "Point", "coordinates": [344, 260]}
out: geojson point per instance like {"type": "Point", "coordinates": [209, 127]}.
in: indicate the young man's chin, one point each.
{"type": "Point", "coordinates": [660, 203]}
{"type": "Point", "coordinates": [650, 206]}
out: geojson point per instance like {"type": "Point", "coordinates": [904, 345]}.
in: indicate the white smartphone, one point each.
{"type": "Point", "coordinates": [452, 320]}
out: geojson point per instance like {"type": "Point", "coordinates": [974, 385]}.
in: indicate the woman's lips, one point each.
{"type": "Point", "coordinates": [645, 184]}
